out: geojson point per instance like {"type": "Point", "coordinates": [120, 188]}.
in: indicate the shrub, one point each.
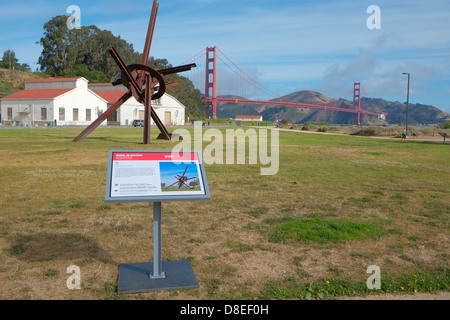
{"type": "Point", "coordinates": [365, 132]}
{"type": "Point", "coordinates": [445, 125]}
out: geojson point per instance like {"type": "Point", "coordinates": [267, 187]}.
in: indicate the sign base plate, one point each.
{"type": "Point", "coordinates": [135, 277]}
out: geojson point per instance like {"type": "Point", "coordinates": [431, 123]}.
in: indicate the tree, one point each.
{"type": "Point", "coordinates": [63, 49]}
{"type": "Point", "coordinates": [9, 61]}
{"type": "Point", "coordinates": [55, 55]}
{"type": "Point", "coordinates": [186, 93]}
{"type": "Point", "coordinates": [445, 125]}
{"type": "Point", "coordinates": [80, 70]}
{"type": "Point", "coordinates": [96, 56]}
{"type": "Point", "coordinates": [194, 183]}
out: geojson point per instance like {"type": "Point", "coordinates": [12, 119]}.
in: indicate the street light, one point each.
{"type": "Point", "coordinates": [407, 101]}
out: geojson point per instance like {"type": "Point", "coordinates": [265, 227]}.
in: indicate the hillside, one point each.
{"type": "Point", "coordinates": [396, 111]}
{"type": "Point", "coordinates": [12, 80]}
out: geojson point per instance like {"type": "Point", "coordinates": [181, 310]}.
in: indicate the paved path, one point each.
{"type": "Point", "coordinates": [436, 138]}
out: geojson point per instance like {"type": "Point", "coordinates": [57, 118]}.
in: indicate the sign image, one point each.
{"type": "Point", "coordinates": [188, 181]}
{"type": "Point", "coordinates": [155, 176]}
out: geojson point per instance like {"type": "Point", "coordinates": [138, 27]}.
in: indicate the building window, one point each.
{"type": "Point", "coordinates": [62, 114]}
{"type": "Point", "coordinates": [88, 114]}
{"type": "Point", "coordinates": [43, 114]}
{"type": "Point", "coordinates": [10, 117]}
{"type": "Point", "coordinates": [75, 114]}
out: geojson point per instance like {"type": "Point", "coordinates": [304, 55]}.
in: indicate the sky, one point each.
{"type": "Point", "coordinates": [287, 45]}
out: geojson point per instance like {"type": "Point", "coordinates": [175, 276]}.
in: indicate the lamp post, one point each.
{"type": "Point", "coordinates": [407, 101]}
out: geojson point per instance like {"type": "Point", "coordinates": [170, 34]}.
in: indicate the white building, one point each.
{"type": "Point", "coordinates": [65, 101]}
{"type": "Point", "coordinates": [169, 110]}
{"type": "Point", "coordinates": [249, 118]}
{"type": "Point", "coordinates": [71, 101]}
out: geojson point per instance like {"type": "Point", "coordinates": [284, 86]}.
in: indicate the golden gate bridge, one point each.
{"type": "Point", "coordinates": [244, 85]}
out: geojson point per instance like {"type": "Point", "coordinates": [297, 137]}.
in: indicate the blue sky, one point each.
{"type": "Point", "coordinates": [288, 45]}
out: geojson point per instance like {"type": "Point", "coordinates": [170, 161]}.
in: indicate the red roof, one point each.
{"type": "Point", "coordinates": [110, 96]}
{"type": "Point", "coordinates": [100, 84]}
{"type": "Point", "coordinates": [37, 94]}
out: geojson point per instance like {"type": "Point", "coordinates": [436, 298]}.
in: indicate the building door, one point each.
{"type": "Point", "coordinates": [44, 114]}
{"type": "Point", "coordinates": [113, 119]}
{"type": "Point", "coordinates": [167, 118]}
{"type": "Point", "coordinates": [141, 114]}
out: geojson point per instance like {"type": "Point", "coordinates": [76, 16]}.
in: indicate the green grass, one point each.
{"type": "Point", "coordinates": [324, 231]}
{"type": "Point", "coordinates": [237, 246]}
{"type": "Point", "coordinates": [51, 273]}
{"type": "Point", "coordinates": [290, 288]}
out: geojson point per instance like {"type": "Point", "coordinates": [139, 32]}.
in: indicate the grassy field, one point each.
{"type": "Point", "coordinates": [338, 205]}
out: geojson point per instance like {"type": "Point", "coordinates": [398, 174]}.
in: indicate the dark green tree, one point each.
{"type": "Point", "coordinates": [186, 93]}
{"type": "Point", "coordinates": [96, 56]}
{"type": "Point", "coordinates": [80, 70]}
{"type": "Point", "coordinates": [63, 49]}
{"type": "Point", "coordinates": [55, 56]}
{"type": "Point", "coordinates": [444, 125]}
{"type": "Point", "coordinates": [9, 61]}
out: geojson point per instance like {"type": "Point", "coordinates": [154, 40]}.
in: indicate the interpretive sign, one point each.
{"type": "Point", "coordinates": [155, 176]}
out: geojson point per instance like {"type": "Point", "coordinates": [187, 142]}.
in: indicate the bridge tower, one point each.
{"type": "Point", "coordinates": [357, 100]}
{"type": "Point", "coordinates": [211, 82]}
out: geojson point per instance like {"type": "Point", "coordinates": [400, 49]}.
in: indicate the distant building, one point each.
{"type": "Point", "coordinates": [249, 118]}
{"type": "Point", "coordinates": [73, 102]}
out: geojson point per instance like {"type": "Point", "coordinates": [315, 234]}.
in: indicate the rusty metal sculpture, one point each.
{"type": "Point", "coordinates": [181, 180]}
{"type": "Point", "coordinates": [143, 83]}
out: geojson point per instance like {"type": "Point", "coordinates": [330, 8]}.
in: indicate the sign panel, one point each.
{"type": "Point", "coordinates": [153, 176]}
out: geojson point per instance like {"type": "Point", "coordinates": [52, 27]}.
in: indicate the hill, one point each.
{"type": "Point", "coordinates": [12, 80]}
{"type": "Point", "coordinates": [396, 111]}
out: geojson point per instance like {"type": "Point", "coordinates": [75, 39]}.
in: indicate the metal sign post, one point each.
{"type": "Point", "coordinates": [157, 260]}
{"type": "Point", "coordinates": [148, 176]}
